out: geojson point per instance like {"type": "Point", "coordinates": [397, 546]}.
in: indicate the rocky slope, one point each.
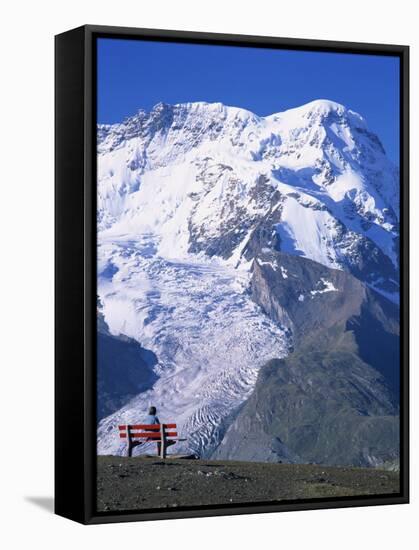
{"type": "Point", "coordinates": [334, 399]}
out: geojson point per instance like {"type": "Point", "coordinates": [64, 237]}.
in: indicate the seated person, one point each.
{"type": "Point", "coordinates": [152, 418]}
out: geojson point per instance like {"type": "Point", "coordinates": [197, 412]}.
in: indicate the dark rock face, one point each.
{"type": "Point", "coordinates": [235, 221]}
{"type": "Point", "coordinates": [303, 295]}
{"type": "Point", "coordinates": [335, 399]}
{"type": "Point", "coordinates": [124, 369]}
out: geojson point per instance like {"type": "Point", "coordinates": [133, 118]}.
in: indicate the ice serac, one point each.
{"type": "Point", "coordinates": [193, 200]}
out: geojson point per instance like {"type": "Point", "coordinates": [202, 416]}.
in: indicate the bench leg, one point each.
{"type": "Point", "coordinates": [129, 441]}
{"type": "Point", "coordinates": [163, 445]}
{"type": "Point", "coordinates": [161, 450]}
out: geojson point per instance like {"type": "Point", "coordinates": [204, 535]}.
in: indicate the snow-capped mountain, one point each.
{"type": "Point", "coordinates": [211, 172]}
{"type": "Point", "coordinates": [188, 196]}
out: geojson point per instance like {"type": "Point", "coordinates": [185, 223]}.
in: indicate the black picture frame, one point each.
{"type": "Point", "coordinates": [75, 272]}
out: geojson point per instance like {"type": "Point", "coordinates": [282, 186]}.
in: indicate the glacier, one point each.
{"type": "Point", "coordinates": [209, 336]}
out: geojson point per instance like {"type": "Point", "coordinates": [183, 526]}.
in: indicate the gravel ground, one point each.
{"type": "Point", "coordinates": [146, 482]}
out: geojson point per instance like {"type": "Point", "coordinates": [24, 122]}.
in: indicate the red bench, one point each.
{"type": "Point", "coordinates": [165, 435]}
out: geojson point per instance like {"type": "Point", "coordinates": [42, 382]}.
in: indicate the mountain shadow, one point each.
{"type": "Point", "coordinates": [124, 369]}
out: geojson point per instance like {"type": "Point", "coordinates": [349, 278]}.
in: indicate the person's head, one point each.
{"type": "Point", "coordinates": [152, 410]}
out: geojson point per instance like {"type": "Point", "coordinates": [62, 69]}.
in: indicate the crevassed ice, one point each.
{"type": "Point", "coordinates": [209, 336]}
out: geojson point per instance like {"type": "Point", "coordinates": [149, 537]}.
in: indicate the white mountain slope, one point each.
{"type": "Point", "coordinates": [182, 191]}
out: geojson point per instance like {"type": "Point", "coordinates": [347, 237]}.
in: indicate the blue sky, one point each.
{"type": "Point", "coordinates": [134, 74]}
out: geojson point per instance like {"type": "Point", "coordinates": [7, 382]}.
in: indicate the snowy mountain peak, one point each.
{"type": "Point", "coordinates": [323, 111]}
{"type": "Point", "coordinates": [322, 107]}
{"type": "Point", "coordinates": [213, 173]}
{"type": "Point", "coordinates": [325, 106]}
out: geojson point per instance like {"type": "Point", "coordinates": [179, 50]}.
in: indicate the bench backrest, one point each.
{"type": "Point", "coordinates": [147, 431]}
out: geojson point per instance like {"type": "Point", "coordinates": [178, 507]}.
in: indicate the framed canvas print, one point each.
{"type": "Point", "coordinates": [231, 274]}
